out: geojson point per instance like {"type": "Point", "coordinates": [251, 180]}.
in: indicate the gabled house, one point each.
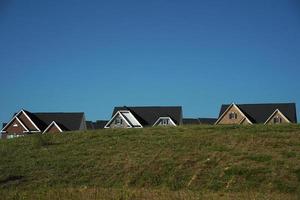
{"type": "Point", "coordinates": [25, 122]}
{"type": "Point", "coordinates": [145, 116]}
{"type": "Point", "coordinates": [273, 113]}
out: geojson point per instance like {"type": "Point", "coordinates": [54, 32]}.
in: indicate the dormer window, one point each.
{"type": "Point", "coordinates": [277, 120]}
{"type": "Point", "coordinates": [232, 115]}
{"type": "Point", "coordinates": [165, 121]}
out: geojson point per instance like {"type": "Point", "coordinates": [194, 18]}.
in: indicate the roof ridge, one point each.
{"type": "Point", "coordinates": [146, 106]}
{"type": "Point", "coordinates": [58, 113]}
{"type": "Point", "coordinates": [260, 104]}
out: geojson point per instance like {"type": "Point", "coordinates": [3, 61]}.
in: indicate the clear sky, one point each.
{"type": "Point", "coordinates": [78, 55]}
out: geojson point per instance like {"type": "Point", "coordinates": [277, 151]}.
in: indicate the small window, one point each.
{"type": "Point", "coordinates": [9, 136]}
{"type": "Point", "coordinates": [14, 135]}
{"type": "Point", "coordinates": [232, 115]}
{"type": "Point", "coordinates": [277, 120]}
{"type": "Point", "coordinates": [118, 121]}
{"type": "Point", "coordinates": [15, 125]}
{"type": "Point", "coordinates": [165, 121]}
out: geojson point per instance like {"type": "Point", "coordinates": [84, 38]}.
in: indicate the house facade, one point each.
{"type": "Point", "coordinates": [145, 116]}
{"type": "Point", "coordinates": [25, 122]}
{"type": "Point", "coordinates": [247, 114]}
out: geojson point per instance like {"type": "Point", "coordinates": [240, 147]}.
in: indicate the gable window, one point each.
{"type": "Point", "coordinates": [118, 121]}
{"type": "Point", "coordinates": [277, 120]}
{"type": "Point", "coordinates": [165, 121]}
{"type": "Point", "coordinates": [232, 115]}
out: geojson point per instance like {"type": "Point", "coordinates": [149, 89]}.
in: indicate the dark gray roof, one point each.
{"type": "Point", "coordinates": [192, 121]}
{"type": "Point", "coordinates": [71, 121]}
{"type": "Point", "coordinates": [259, 113]}
{"type": "Point", "coordinates": [147, 115]}
{"type": "Point", "coordinates": [207, 120]}
{"type": "Point", "coordinates": [99, 124]}
{"type": "Point", "coordinates": [89, 125]}
{"type": "Point", "coordinates": [3, 125]}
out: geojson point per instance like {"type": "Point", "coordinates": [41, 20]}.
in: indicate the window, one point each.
{"type": "Point", "coordinates": [14, 135]}
{"type": "Point", "coordinates": [118, 121]}
{"type": "Point", "coordinates": [232, 115]}
{"type": "Point", "coordinates": [277, 120]}
{"type": "Point", "coordinates": [15, 125]}
{"type": "Point", "coordinates": [9, 136]}
{"type": "Point", "coordinates": [165, 121]}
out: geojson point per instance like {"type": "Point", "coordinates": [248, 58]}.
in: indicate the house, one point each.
{"type": "Point", "coordinates": [25, 122]}
{"type": "Point", "coordinates": [198, 121]}
{"type": "Point", "coordinates": [99, 124]}
{"type": "Point", "coordinates": [273, 113]}
{"type": "Point", "coordinates": [145, 116]}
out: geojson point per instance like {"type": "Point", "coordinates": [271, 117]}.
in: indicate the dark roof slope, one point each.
{"type": "Point", "coordinates": [191, 121]}
{"type": "Point", "coordinates": [147, 115]}
{"type": "Point", "coordinates": [67, 121]}
{"type": "Point", "coordinates": [100, 124]}
{"type": "Point", "coordinates": [207, 120]}
{"type": "Point", "coordinates": [3, 125]}
{"type": "Point", "coordinates": [89, 125]}
{"type": "Point", "coordinates": [259, 113]}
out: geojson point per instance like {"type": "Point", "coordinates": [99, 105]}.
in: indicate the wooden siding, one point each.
{"type": "Point", "coordinates": [278, 114]}
{"type": "Point", "coordinates": [245, 122]}
{"type": "Point", "coordinates": [225, 119]}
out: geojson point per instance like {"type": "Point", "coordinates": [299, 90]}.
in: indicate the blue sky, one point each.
{"type": "Point", "coordinates": [72, 55]}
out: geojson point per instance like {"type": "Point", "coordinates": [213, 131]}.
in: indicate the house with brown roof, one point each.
{"type": "Point", "coordinates": [25, 122]}
{"type": "Point", "coordinates": [273, 113]}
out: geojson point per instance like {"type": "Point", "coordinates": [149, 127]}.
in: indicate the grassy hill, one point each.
{"type": "Point", "coordinates": [192, 162]}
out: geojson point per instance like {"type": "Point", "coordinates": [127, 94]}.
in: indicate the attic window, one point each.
{"type": "Point", "coordinates": [118, 121]}
{"type": "Point", "coordinates": [232, 115]}
{"type": "Point", "coordinates": [277, 120]}
{"type": "Point", "coordinates": [165, 121]}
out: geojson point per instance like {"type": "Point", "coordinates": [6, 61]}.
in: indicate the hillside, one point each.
{"type": "Point", "coordinates": [193, 162]}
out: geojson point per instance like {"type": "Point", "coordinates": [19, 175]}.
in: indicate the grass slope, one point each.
{"type": "Point", "coordinates": [192, 162]}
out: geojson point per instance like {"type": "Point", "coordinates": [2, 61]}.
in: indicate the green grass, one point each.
{"type": "Point", "coordinates": [188, 162]}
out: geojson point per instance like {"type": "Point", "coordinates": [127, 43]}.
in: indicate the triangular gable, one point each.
{"type": "Point", "coordinates": [128, 117]}
{"type": "Point", "coordinates": [169, 118]}
{"type": "Point", "coordinates": [51, 125]}
{"type": "Point", "coordinates": [280, 113]}
{"type": "Point", "coordinates": [113, 118]}
{"type": "Point", "coordinates": [226, 111]}
{"type": "Point", "coordinates": [19, 121]}
{"type": "Point", "coordinates": [16, 116]}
